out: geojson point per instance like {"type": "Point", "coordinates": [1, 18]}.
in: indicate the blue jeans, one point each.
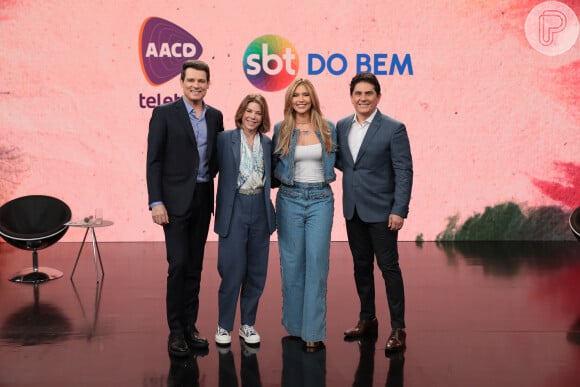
{"type": "Point", "coordinates": [304, 216]}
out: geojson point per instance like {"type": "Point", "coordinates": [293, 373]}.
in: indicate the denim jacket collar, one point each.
{"type": "Point", "coordinates": [283, 167]}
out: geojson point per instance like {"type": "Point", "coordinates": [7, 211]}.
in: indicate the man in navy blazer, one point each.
{"type": "Point", "coordinates": [375, 158]}
{"type": "Point", "coordinates": [181, 165]}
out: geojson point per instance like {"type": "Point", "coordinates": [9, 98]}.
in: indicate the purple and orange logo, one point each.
{"type": "Point", "coordinates": [270, 62]}
{"type": "Point", "coordinates": [164, 47]}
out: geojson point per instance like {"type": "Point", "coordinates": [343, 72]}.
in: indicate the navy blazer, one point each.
{"type": "Point", "coordinates": [228, 147]}
{"type": "Point", "coordinates": [378, 183]}
{"type": "Point", "coordinates": [172, 156]}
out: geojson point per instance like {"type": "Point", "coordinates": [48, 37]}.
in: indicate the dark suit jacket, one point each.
{"type": "Point", "coordinates": [172, 156]}
{"type": "Point", "coordinates": [229, 166]}
{"type": "Point", "coordinates": [378, 183]}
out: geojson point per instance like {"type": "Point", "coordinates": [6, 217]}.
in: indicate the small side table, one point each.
{"type": "Point", "coordinates": [90, 226]}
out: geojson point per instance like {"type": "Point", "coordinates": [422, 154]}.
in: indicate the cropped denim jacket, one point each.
{"type": "Point", "coordinates": [283, 167]}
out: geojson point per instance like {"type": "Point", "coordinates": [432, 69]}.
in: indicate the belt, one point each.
{"type": "Point", "coordinates": [250, 191]}
{"type": "Point", "coordinates": [297, 184]}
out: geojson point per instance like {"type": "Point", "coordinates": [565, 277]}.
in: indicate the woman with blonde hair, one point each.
{"type": "Point", "coordinates": [303, 166]}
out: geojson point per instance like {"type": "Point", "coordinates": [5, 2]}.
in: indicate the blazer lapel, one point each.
{"type": "Point", "coordinates": [346, 146]}
{"type": "Point", "coordinates": [267, 159]}
{"type": "Point", "coordinates": [185, 121]}
{"type": "Point", "coordinates": [371, 132]}
{"type": "Point", "coordinates": [236, 138]}
{"type": "Point", "coordinates": [210, 120]}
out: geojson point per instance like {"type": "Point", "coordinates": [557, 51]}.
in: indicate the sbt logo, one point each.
{"type": "Point", "coordinates": [270, 62]}
{"type": "Point", "coordinates": [378, 64]}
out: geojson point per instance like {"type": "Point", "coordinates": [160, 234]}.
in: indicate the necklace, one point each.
{"type": "Point", "coordinates": [304, 127]}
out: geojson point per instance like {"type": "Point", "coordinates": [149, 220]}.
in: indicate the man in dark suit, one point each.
{"type": "Point", "coordinates": [181, 165]}
{"type": "Point", "coordinates": [375, 158]}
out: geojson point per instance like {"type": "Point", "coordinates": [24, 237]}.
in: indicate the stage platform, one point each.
{"type": "Point", "coordinates": [478, 314]}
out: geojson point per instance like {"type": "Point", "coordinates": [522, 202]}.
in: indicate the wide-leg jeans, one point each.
{"type": "Point", "coordinates": [304, 217]}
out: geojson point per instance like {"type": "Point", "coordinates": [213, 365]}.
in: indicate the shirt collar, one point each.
{"type": "Point", "coordinates": [368, 120]}
{"type": "Point", "coordinates": [190, 108]}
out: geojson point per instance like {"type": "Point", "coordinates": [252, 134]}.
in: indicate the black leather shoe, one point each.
{"type": "Point", "coordinates": [362, 328]}
{"type": "Point", "coordinates": [177, 346]}
{"type": "Point", "coordinates": [194, 340]}
{"type": "Point", "coordinates": [396, 341]}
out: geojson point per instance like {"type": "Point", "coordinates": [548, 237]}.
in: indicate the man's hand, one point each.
{"type": "Point", "coordinates": [395, 222]}
{"type": "Point", "coordinates": [159, 214]}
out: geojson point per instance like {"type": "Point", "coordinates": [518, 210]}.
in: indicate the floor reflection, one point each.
{"type": "Point", "coordinates": [573, 335]}
{"type": "Point", "coordinates": [249, 371]}
{"type": "Point", "coordinates": [90, 322]}
{"type": "Point", "coordinates": [184, 372]}
{"type": "Point", "coordinates": [300, 368]}
{"type": "Point", "coordinates": [478, 314]}
{"type": "Point", "coordinates": [395, 374]}
{"type": "Point", "coordinates": [508, 258]}
{"type": "Point", "coordinates": [365, 371]}
{"type": "Point", "coordinates": [36, 323]}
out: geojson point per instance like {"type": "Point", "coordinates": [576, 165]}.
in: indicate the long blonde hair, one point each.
{"type": "Point", "coordinates": [289, 123]}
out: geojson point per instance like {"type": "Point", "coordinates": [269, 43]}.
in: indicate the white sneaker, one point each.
{"type": "Point", "coordinates": [249, 334]}
{"type": "Point", "coordinates": [222, 336]}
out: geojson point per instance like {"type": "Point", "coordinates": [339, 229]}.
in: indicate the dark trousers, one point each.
{"type": "Point", "coordinates": [243, 261]}
{"type": "Point", "coordinates": [185, 238]}
{"type": "Point", "coordinates": [367, 240]}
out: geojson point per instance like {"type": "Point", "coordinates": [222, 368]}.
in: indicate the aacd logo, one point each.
{"type": "Point", "coordinates": [164, 47]}
{"type": "Point", "coordinates": [270, 62]}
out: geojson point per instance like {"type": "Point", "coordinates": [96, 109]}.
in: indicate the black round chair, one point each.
{"type": "Point", "coordinates": [575, 223]}
{"type": "Point", "coordinates": [33, 223]}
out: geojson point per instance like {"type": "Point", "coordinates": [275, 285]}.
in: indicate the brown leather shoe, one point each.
{"type": "Point", "coordinates": [362, 328]}
{"type": "Point", "coordinates": [396, 341]}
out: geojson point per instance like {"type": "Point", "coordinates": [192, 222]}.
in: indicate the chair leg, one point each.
{"type": "Point", "coordinates": [35, 261]}
{"type": "Point", "coordinates": [36, 274]}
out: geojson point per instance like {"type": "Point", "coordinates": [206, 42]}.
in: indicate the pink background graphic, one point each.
{"type": "Point", "coordinates": [491, 120]}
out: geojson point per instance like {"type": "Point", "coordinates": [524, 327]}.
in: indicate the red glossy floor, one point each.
{"type": "Point", "coordinates": [478, 314]}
